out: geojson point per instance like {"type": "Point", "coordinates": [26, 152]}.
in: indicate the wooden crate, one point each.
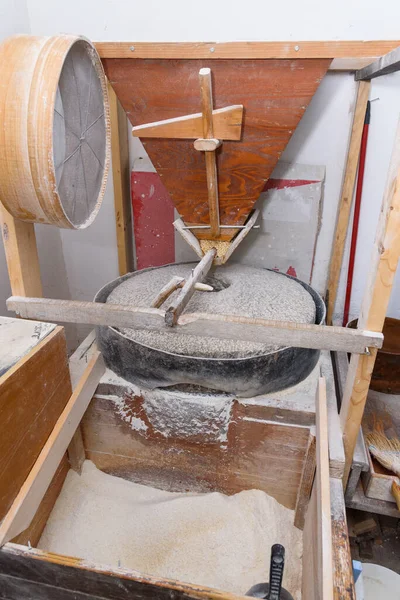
{"type": "Point", "coordinates": [30, 572]}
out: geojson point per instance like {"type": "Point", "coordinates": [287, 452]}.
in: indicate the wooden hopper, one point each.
{"type": "Point", "coordinates": [274, 94]}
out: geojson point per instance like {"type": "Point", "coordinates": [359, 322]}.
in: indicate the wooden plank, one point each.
{"type": "Point", "coordinates": [210, 157]}
{"type": "Point", "coordinates": [390, 63]}
{"type": "Point", "coordinates": [86, 578]}
{"type": "Point", "coordinates": [178, 305]}
{"type": "Point", "coordinates": [213, 50]}
{"type": "Point", "coordinates": [382, 270]}
{"type": "Point", "coordinates": [200, 462]}
{"type": "Point", "coordinates": [121, 183]}
{"type": "Point", "coordinates": [324, 536]}
{"type": "Point", "coordinates": [21, 254]}
{"type": "Point", "coordinates": [306, 483]}
{"type": "Point", "coordinates": [26, 503]}
{"type": "Point", "coordinates": [336, 449]}
{"type": "Point", "coordinates": [33, 533]}
{"type": "Point", "coordinates": [310, 576]}
{"type": "Point", "coordinates": [33, 394]}
{"type": "Point", "coordinates": [15, 588]}
{"type": "Point", "coordinates": [346, 198]}
{"type": "Point", "coordinates": [343, 582]}
{"type": "Point", "coordinates": [227, 125]}
{"type": "Point", "coordinates": [298, 335]}
{"type": "Point", "coordinates": [275, 95]}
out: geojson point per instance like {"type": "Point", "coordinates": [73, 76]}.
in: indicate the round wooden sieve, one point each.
{"type": "Point", "coordinates": [55, 133]}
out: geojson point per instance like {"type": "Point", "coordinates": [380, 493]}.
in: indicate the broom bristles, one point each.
{"type": "Point", "coordinates": [386, 450]}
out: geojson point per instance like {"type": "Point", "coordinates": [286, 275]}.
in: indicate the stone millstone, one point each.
{"type": "Point", "coordinates": [243, 290]}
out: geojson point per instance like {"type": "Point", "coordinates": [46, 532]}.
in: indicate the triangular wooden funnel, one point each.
{"type": "Point", "coordinates": [274, 94]}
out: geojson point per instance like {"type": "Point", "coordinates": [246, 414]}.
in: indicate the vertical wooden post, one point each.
{"type": "Point", "coordinates": [346, 197]}
{"type": "Point", "coordinates": [210, 157]}
{"type": "Point", "coordinates": [121, 181]}
{"type": "Point", "coordinates": [383, 265]}
{"type": "Point", "coordinates": [22, 256]}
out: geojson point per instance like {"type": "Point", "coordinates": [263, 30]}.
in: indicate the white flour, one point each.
{"type": "Point", "coordinates": [207, 539]}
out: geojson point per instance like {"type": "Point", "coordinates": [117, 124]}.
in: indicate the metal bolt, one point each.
{"type": "Point", "coordinates": [132, 48]}
{"type": "Point", "coordinates": [212, 49]}
{"type": "Point", "coordinates": [367, 352]}
{"type": "Point", "coordinates": [297, 48]}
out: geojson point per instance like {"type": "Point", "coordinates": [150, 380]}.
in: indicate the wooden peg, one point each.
{"type": "Point", "coordinates": [205, 145]}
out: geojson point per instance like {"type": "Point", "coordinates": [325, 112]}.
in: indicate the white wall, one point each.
{"type": "Point", "coordinates": [88, 259]}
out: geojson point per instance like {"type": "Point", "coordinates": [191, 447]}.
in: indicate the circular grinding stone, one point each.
{"type": "Point", "coordinates": [242, 290]}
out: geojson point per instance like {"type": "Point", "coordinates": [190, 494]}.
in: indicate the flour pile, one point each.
{"type": "Point", "coordinates": [214, 540]}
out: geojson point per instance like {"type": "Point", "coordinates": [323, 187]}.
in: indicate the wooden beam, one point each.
{"type": "Point", "coordinates": [121, 183]}
{"type": "Point", "coordinates": [21, 254]}
{"type": "Point", "coordinates": [383, 66]}
{"type": "Point", "coordinates": [382, 270]}
{"type": "Point", "coordinates": [346, 199]}
{"type": "Point", "coordinates": [210, 157]}
{"type": "Point", "coordinates": [324, 538]}
{"type": "Point", "coordinates": [227, 125]}
{"type": "Point", "coordinates": [27, 502]}
{"type": "Point", "coordinates": [77, 364]}
{"type": "Point", "coordinates": [251, 50]}
{"type": "Point", "coordinates": [262, 331]}
{"type": "Point", "coordinates": [189, 237]}
{"type": "Point", "coordinates": [178, 305]}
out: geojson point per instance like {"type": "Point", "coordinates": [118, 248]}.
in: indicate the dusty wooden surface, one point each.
{"type": "Point", "coordinates": [256, 454]}
{"type": "Point", "coordinates": [275, 95]}
{"type": "Point", "coordinates": [26, 397]}
{"type": "Point", "coordinates": [39, 575]}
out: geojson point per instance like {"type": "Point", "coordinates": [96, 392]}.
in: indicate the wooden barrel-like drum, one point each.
{"type": "Point", "coordinates": [55, 130]}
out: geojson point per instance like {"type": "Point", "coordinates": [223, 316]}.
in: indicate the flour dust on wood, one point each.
{"type": "Point", "coordinates": [214, 540]}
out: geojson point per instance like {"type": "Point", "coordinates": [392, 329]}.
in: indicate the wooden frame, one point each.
{"type": "Point", "coordinates": [352, 54]}
{"type": "Point", "coordinates": [25, 279]}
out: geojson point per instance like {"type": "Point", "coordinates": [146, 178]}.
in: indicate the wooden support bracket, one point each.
{"type": "Point", "coordinates": [382, 270]}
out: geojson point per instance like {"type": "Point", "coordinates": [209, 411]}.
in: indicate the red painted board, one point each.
{"type": "Point", "coordinates": [153, 215]}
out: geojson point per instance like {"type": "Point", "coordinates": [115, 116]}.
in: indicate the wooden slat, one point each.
{"type": "Point", "coordinates": [298, 335]}
{"type": "Point", "coordinates": [324, 535]}
{"type": "Point", "coordinates": [33, 533]}
{"type": "Point", "coordinates": [343, 582]}
{"type": "Point", "coordinates": [383, 66]}
{"type": "Point", "coordinates": [306, 483]}
{"type": "Point", "coordinates": [227, 125]}
{"type": "Point", "coordinates": [77, 364]}
{"type": "Point", "coordinates": [27, 501]}
{"type": "Point", "coordinates": [22, 256]}
{"type": "Point", "coordinates": [121, 183]}
{"type": "Point", "coordinates": [382, 270]}
{"type": "Point", "coordinates": [95, 580]}
{"type": "Point", "coordinates": [346, 198]}
{"type": "Point", "coordinates": [213, 50]}
{"type": "Point", "coordinates": [33, 394]}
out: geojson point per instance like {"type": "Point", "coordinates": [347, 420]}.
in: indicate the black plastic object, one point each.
{"type": "Point", "coordinates": [273, 590]}
{"type": "Point", "coordinates": [243, 377]}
